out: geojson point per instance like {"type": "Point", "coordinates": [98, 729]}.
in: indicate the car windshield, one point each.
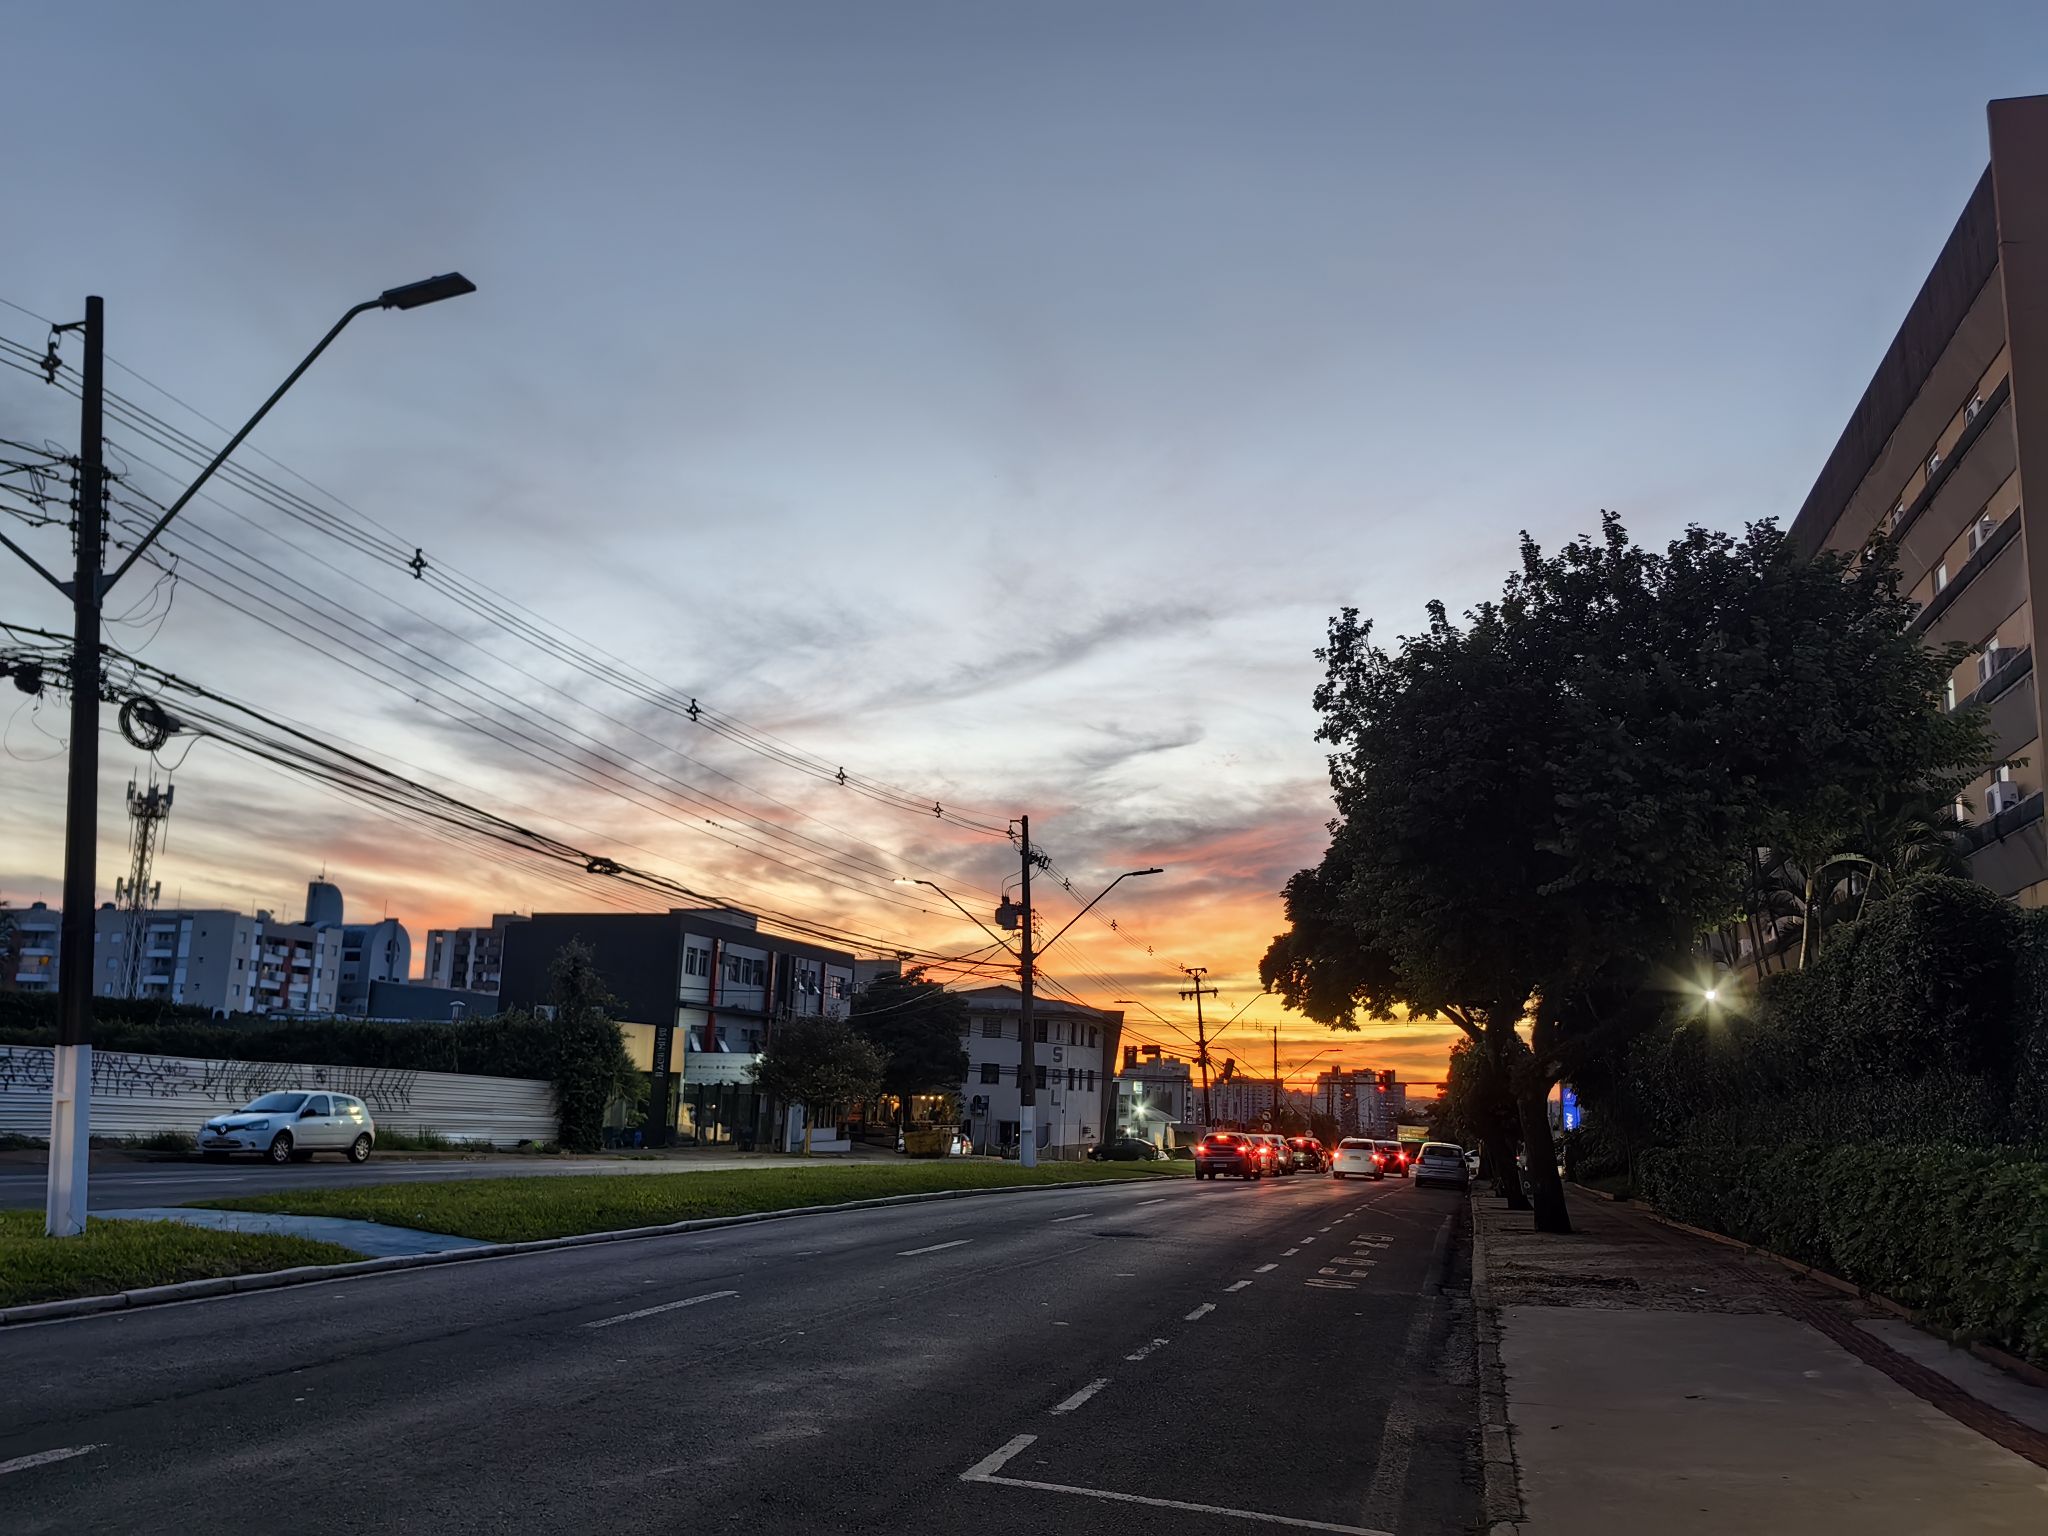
{"type": "Point", "coordinates": [274, 1104]}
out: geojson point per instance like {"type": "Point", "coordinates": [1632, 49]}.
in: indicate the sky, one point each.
{"type": "Point", "coordinates": [996, 400]}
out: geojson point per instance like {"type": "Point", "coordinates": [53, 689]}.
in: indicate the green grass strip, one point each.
{"type": "Point", "coordinates": [125, 1255]}
{"type": "Point", "coordinates": [522, 1209]}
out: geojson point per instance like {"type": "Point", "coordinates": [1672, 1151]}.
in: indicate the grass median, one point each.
{"type": "Point", "coordinates": [124, 1255]}
{"type": "Point", "coordinates": [521, 1210]}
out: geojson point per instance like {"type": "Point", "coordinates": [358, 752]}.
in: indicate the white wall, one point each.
{"type": "Point", "coordinates": [136, 1095]}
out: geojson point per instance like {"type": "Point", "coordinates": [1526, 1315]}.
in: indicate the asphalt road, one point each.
{"type": "Point", "coordinates": [1196, 1358]}
{"type": "Point", "coordinates": [124, 1186]}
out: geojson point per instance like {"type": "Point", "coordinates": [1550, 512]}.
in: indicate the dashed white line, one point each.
{"type": "Point", "coordinates": [1325, 1229]}
{"type": "Point", "coordinates": [1290, 1253]}
{"type": "Point", "coordinates": [1237, 1285]}
{"type": "Point", "coordinates": [911, 1253]}
{"type": "Point", "coordinates": [44, 1458]}
{"type": "Point", "coordinates": [1311, 1239]}
{"type": "Point", "coordinates": [627, 1317]}
{"type": "Point", "coordinates": [1160, 1201]}
{"type": "Point", "coordinates": [1075, 1217]}
{"type": "Point", "coordinates": [1081, 1396]}
{"type": "Point", "coordinates": [1265, 1268]}
{"type": "Point", "coordinates": [1146, 1349]}
{"type": "Point", "coordinates": [1201, 1312]}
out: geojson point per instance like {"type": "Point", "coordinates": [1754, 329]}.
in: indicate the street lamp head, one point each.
{"type": "Point", "coordinates": [904, 880]}
{"type": "Point", "coordinates": [1154, 870]}
{"type": "Point", "coordinates": [449, 285]}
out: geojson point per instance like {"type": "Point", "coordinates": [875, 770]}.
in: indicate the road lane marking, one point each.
{"type": "Point", "coordinates": [1325, 1229]}
{"type": "Point", "coordinates": [1146, 1349]}
{"type": "Point", "coordinates": [666, 1306]}
{"type": "Point", "coordinates": [1200, 1312]}
{"type": "Point", "coordinates": [44, 1458]}
{"type": "Point", "coordinates": [1237, 1286]}
{"type": "Point", "coordinates": [958, 1242]}
{"type": "Point", "coordinates": [1082, 1396]}
{"type": "Point", "coordinates": [1265, 1269]}
{"type": "Point", "coordinates": [1290, 1253]}
{"type": "Point", "coordinates": [986, 1470]}
{"type": "Point", "coordinates": [1075, 1217]}
{"type": "Point", "coordinates": [1308, 1239]}
{"type": "Point", "coordinates": [1160, 1201]}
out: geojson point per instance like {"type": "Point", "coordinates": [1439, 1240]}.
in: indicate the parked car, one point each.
{"type": "Point", "coordinates": [1307, 1153]}
{"type": "Point", "coordinates": [1441, 1162]}
{"type": "Point", "coordinates": [1357, 1158]}
{"type": "Point", "coordinates": [1231, 1152]}
{"type": "Point", "coordinates": [1396, 1157]}
{"type": "Point", "coordinates": [1125, 1149]}
{"type": "Point", "coordinates": [290, 1126]}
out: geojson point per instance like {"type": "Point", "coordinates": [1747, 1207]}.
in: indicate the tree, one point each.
{"type": "Point", "coordinates": [590, 1067]}
{"type": "Point", "coordinates": [1542, 806]}
{"type": "Point", "coordinates": [818, 1063]}
{"type": "Point", "coordinates": [1324, 1127]}
{"type": "Point", "coordinates": [918, 1027]}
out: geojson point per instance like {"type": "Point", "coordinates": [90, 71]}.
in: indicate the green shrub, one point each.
{"type": "Point", "coordinates": [1958, 1233]}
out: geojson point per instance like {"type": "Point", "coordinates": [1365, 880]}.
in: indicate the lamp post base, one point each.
{"type": "Point", "coordinates": [70, 1139]}
{"type": "Point", "coordinates": [1027, 1136]}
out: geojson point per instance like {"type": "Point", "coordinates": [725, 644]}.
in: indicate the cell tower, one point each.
{"type": "Point", "coordinates": [147, 810]}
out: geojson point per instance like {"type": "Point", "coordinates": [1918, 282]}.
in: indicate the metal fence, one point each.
{"type": "Point", "coordinates": [135, 1095]}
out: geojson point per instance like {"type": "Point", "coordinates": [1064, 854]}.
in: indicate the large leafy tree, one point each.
{"type": "Point", "coordinates": [1543, 805]}
{"type": "Point", "coordinates": [591, 1067]}
{"type": "Point", "coordinates": [819, 1063]}
{"type": "Point", "coordinates": [918, 1027]}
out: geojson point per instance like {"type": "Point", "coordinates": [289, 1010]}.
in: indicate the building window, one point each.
{"type": "Point", "coordinates": [1038, 1031]}
{"type": "Point", "coordinates": [1091, 1037]}
{"type": "Point", "coordinates": [1941, 577]}
{"type": "Point", "coordinates": [696, 961]}
{"type": "Point", "coordinates": [1948, 695]}
{"type": "Point", "coordinates": [992, 1029]}
{"type": "Point", "coordinates": [1073, 1079]}
{"type": "Point", "coordinates": [1038, 1075]}
{"type": "Point", "coordinates": [1970, 411]}
{"type": "Point", "coordinates": [991, 1073]}
{"type": "Point", "coordinates": [1933, 463]}
{"type": "Point", "coordinates": [732, 968]}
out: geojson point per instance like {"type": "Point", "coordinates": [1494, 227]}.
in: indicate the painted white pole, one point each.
{"type": "Point", "coordinates": [70, 1139]}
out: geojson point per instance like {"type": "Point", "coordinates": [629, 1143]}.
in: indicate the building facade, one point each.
{"type": "Point", "coordinates": [469, 959]}
{"type": "Point", "coordinates": [371, 953]}
{"type": "Point", "coordinates": [1362, 1102]}
{"type": "Point", "coordinates": [699, 993]}
{"type": "Point", "coordinates": [1156, 1098]}
{"type": "Point", "coordinates": [28, 947]}
{"type": "Point", "coordinates": [226, 962]}
{"type": "Point", "coordinates": [1935, 457]}
{"type": "Point", "coordinates": [1073, 1047]}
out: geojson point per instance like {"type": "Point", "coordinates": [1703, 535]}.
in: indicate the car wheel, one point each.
{"type": "Point", "coordinates": [280, 1148]}
{"type": "Point", "coordinates": [359, 1149]}
{"type": "Point", "coordinates": [214, 1157]}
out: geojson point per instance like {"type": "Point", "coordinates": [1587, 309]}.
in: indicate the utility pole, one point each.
{"type": "Point", "coordinates": [1195, 973]}
{"type": "Point", "coordinates": [1027, 1030]}
{"type": "Point", "coordinates": [71, 1068]}
{"type": "Point", "coordinates": [1276, 1077]}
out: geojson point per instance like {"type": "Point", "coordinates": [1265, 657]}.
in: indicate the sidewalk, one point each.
{"type": "Point", "coordinates": [1656, 1381]}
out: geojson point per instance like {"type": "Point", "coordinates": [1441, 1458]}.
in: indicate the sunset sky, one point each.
{"type": "Point", "coordinates": [993, 399]}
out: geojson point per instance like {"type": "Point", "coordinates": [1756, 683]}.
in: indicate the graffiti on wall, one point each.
{"type": "Point", "coordinates": [120, 1075]}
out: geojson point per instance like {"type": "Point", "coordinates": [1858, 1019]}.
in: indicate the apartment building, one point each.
{"type": "Point", "coordinates": [1248, 1101]}
{"type": "Point", "coordinates": [1157, 1097]}
{"type": "Point", "coordinates": [28, 948]}
{"type": "Point", "coordinates": [1363, 1103]}
{"type": "Point", "coordinates": [699, 992]}
{"type": "Point", "coordinates": [469, 959]}
{"type": "Point", "coordinates": [371, 953]}
{"type": "Point", "coordinates": [1935, 456]}
{"type": "Point", "coordinates": [227, 962]}
{"type": "Point", "coordinates": [1072, 1049]}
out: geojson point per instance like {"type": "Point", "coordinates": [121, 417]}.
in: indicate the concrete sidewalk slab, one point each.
{"type": "Point", "coordinates": [1702, 1422]}
{"type": "Point", "coordinates": [372, 1239]}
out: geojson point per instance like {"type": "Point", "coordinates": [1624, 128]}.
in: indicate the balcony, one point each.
{"type": "Point", "coordinates": [2007, 852]}
{"type": "Point", "coordinates": [1982, 595]}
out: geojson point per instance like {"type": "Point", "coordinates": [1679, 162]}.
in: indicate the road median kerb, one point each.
{"type": "Point", "coordinates": [1503, 1495]}
{"type": "Point", "coordinates": [277, 1279]}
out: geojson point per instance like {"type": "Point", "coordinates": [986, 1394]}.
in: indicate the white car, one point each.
{"type": "Point", "coordinates": [1356, 1159]}
{"type": "Point", "coordinates": [1441, 1162]}
{"type": "Point", "coordinates": [291, 1126]}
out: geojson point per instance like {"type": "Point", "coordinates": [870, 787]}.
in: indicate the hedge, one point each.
{"type": "Point", "coordinates": [1957, 1233]}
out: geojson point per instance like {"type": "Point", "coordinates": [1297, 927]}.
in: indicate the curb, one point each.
{"type": "Point", "coordinates": [312, 1274]}
{"type": "Point", "coordinates": [1503, 1497]}
{"type": "Point", "coordinates": [1990, 1354]}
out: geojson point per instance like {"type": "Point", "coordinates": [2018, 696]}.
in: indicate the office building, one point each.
{"type": "Point", "coordinates": [1935, 457]}
{"type": "Point", "coordinates": [699, 991]}
{"type": "Point", "coordinates": [1073, 1047]}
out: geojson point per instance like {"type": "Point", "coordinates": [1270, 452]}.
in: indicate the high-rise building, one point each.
{"type": "Point", "coordinates": [1934, 457]}
{"type": "Point", "coordinates": [227, 962]}
{"type": "Point", "coordinates": [468, 959]}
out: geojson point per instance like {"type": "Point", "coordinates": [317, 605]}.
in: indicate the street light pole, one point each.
{"type": "Point", "coordinates": [1195, 973]}
{"type": "Point", "coordinates": [71, 1063]}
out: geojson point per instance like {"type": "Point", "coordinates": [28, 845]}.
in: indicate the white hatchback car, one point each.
{"type": "Point", "coordinates": [1355, 1159]}
{"type": "Point", "coordinates": [1442, 1162]}
{"type": "Point", "coordinates": [291, 1126]}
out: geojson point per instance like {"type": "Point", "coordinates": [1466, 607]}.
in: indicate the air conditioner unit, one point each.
{"type": "Point", "coordinates": [1933, 464]}
{"type": "Point", "coordinates": [1981, 531]}
{"type": "Point", "coordinates": [2001, 797]}
{"type": "Point", "coordinates": [1989, 663]}
{"type": "Point", "coordinates": [1970, 411]}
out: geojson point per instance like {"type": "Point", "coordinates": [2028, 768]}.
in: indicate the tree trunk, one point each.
{"type": "Point", "coordinates": [1545, 1187]}
{"type": "Point", "coordinates": [1507, 1179]}
{"type": "Point", "coordinates": [807, 1130]}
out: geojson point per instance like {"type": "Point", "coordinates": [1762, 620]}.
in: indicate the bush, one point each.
{"type": "Point", "coordinates": [1958, 1233]}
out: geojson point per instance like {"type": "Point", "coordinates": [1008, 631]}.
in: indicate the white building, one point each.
{"type": "Point", "coordinates": [1072, 1049]}
{"type": "Point", "coordinates": [227, 962]}
{"type": "Point", "coordinates": [371, 952]}
{"type": "Point", "coordinates": [469, 959]}
{"type": "Point", "coordinates": [1157, 1098]}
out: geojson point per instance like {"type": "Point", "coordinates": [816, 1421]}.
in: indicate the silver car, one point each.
{"type": "Point", "coordinates": [290, 1126]}
{"type": "Point", "coordinates": [1441, 1162]}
